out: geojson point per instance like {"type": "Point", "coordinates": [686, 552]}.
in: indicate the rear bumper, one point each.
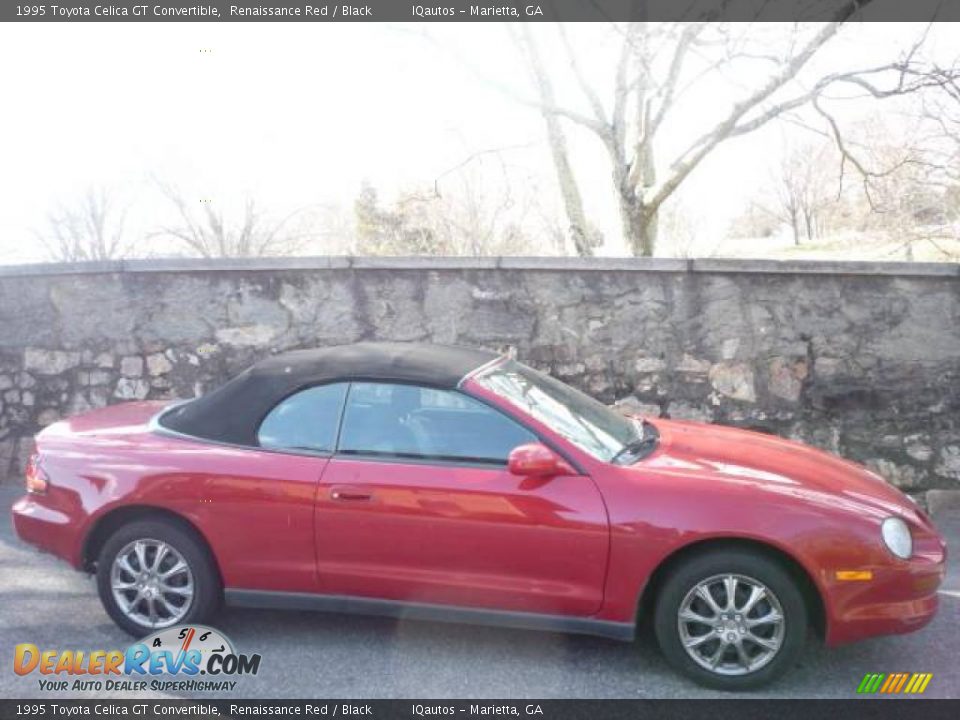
{"type": "Point", "coordinates": [47, 528]}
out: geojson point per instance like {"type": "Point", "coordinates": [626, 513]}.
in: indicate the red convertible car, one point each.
{"type": "Point", "coordinates": [442, 483]}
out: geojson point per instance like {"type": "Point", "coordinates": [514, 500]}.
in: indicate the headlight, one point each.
{"type": "Point", "coordinates": [896, 536]}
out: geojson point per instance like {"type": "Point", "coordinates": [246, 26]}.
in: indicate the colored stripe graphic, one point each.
{"type": "Point", "coordinates": [903, 680]}
{"type": "Point", "coordinates": [894, 683]}
{"type": "Point", "coordinates": [910, 685]}
{"type": "Point", "coordinates": [870, 683]}
{"type": "Point", "coordinates": [918, 683]}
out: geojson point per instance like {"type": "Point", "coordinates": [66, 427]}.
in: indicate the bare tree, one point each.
{"type": "Point", "coordinates": [90, 229]}
{"type": "Point", "coordinates": [658, 63]}
{"type": "Point", "coordinates": [802, 189]}
{"type": "Point", "coordinates": [583, 238]}
{"type": "Point", "coordinates": [891, 190]}
{"type": "Point", "coordinates": [941, 170]}
{"type": "Point", "coordinates": [383, 230]}
{"type": "Point", "coordinates": [475, 218]}
{"type": "Point", "coordinates": [754, 221]}
{"type": "Point", "coordinates": [905, 189]}
{"type": "Point", "coordinates": [942, 116]}
{"type": "Point", "coordinates": [684, 227]}
{"type": "Point", "coordinates": [334, 229]}
{"type": "Point", "coordinates": [203, 229]}
{"type": "Point", "coordinates": [462, 214]}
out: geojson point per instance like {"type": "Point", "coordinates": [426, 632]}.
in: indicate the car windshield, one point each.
{"type": "Point", "coordinates": [587, 423]}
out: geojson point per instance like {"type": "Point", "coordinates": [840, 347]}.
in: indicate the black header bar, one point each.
{"type": "Point", "coordinates": [476, 11]}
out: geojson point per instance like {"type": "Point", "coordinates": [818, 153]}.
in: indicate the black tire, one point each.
{"type": "Point", "coordinates": [684, 578]}
{"type": "Point", "coordinates": [207, 592]}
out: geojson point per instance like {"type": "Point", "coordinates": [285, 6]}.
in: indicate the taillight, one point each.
{"type": "Point", "coordinates": [36, 478]}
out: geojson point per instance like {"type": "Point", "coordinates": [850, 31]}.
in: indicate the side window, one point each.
{"type": "Point", "coordinates": [306, 420]}
{"type": "Point", "coordinates": [410, 421]}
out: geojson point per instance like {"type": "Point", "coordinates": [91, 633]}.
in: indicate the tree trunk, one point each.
{"type": "Point", "coordinates": [639, 221]}
{"type": "Point", "coordinates": [639, 224]}
{"type": "Point", "coordinates": [810, 221]}
{"type": "Point", "coordinates": [569, 191]}
{"type": "Point", "coordinates": [795, 226]}
{"type": "Point", "coordinates": [557, 139]}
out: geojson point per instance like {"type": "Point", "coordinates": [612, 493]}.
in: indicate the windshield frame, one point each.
{"type": "Point", "coordinates": [586, 423]}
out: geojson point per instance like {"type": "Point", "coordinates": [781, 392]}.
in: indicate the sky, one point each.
{"type": "Point", "coordinates": [299, 115]}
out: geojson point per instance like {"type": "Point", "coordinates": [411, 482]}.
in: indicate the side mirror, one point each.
{"type": "Point", "coordinates": [536, 460]}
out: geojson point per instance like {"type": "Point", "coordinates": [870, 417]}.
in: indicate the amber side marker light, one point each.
{"type": "Point", "coordinates": [36, 478]}
{"type": "Point", "coordinates": [854, 574]}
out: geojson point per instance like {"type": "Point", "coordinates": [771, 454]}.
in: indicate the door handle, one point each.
{"type": "Point", "coordinates": [348, 493]}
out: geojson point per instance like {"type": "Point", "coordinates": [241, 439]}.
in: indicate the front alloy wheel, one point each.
{"type": "Point", "coordinates": [730, 619]}
{"type": "Point", "coordinates": [731, 624]}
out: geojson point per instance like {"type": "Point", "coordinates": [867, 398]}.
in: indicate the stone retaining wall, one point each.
{"type": "Point", "coordinates": [859, 358]}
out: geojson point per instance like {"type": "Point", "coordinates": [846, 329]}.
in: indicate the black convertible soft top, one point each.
{"type": "Point", "coordinates": [232, 413]}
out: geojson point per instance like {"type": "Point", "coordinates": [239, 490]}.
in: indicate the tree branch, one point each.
{"type": "Point", "coordinates": [701, 147]}
{"type": "Point", "coordinates": [586, 88]}
{"type": "Point", "coordinates": [668, 88]}
{"type": "Point", "coordinates": [705, 144]}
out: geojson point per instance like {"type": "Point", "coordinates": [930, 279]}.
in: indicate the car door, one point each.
{"type": "Point", "coordinates": [417, 505]}
{"type": "Point", "coordinates": [258, 504]}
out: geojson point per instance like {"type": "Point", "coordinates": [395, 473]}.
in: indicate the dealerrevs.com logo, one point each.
{"type": "Point", "coordinates": [184, 658]}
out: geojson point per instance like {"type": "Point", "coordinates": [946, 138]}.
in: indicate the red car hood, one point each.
{"type": "Point", "coordinates": [744, 457]}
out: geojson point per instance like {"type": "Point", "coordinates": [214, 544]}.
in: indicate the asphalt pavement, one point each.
{"type": "Point", "coordinates": [316, 655]}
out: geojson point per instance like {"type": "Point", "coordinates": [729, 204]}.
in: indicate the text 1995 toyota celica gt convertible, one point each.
{"type": "Point", "coordinates": [444, 483]}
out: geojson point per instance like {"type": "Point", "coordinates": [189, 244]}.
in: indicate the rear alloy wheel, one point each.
{"type": "Point", "coordinates": [730, 619]}
{"type": "Point", "coordinates": [153, 574]}
{"type": "Point", "coordinates": [151, 583]}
